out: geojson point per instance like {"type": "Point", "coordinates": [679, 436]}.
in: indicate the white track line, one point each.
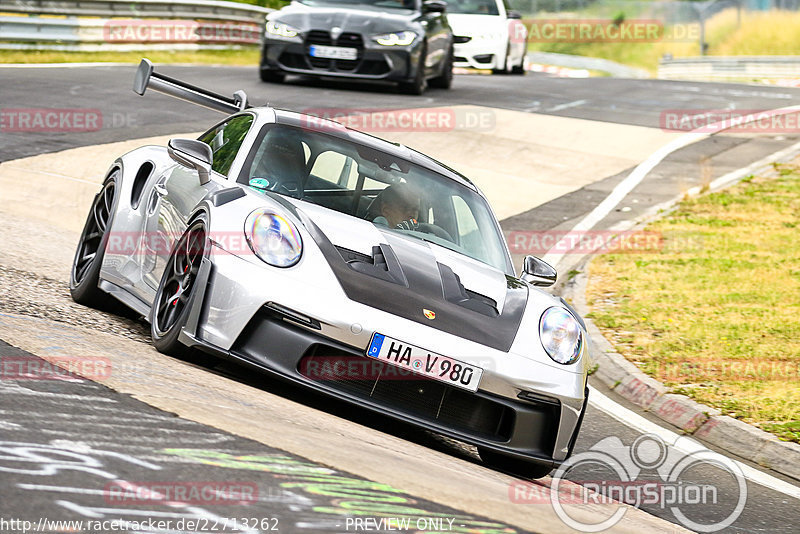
{"type": "Point", "coordinates": [597, 399]}
{"type": "Point", "coordinates": [638, 174]}
{"type": "Point", "coordinates": [683, 444]}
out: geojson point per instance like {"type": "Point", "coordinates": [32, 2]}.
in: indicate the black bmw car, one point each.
{"type": "Point", "coordinates": [405, 41]}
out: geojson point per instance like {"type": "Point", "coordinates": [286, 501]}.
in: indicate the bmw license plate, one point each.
{"type": "Point", "coordinates": [332, 52]}
{"type": "Point", "coordinates": [425, 363]}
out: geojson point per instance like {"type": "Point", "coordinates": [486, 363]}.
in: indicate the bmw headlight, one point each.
{"type": "Point", "coordinates": [279, 29]}
{"type": "Point", "coordinates": [273, 238]}
{"type": "Point", "coordinates": [395, 39]}
{"type": "Point", "coordinates": [560, 335]}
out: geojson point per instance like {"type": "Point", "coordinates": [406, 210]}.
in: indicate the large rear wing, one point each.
{"type": "Point", "coordinates": [146, 77]}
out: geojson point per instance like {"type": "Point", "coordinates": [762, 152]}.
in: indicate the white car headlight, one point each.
{"type": "Point", "coordinates": [561, 335]}
{"type": "Point", "coordinates": [273, 238]}
{"type": "Point", "coordinates": [395, 39]}
{"type": "Point", "coordinates": [279, 29]}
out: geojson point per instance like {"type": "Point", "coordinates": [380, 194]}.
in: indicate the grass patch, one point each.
{"type": "Point", "coordinates": [773, 32]}
{"type": "Point", "coordinates": [244, 56]}
{"type": "Point", "coordinates": [715, 314]}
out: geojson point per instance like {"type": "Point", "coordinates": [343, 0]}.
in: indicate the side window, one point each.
{"type": "Point", "coordinates": [336, 168]}
{"type": "Point", "coordinates": [225, 141]}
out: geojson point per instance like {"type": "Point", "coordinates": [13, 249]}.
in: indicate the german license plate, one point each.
{"type": "Point", "coordinates": [425, 363]}
{"type": "Point", "coordinates": [332, 52]}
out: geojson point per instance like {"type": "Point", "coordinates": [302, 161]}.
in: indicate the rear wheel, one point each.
{"type": "Point", "coordinates": [171, 307]}
{"type": "Point", "coordinates": [85, 273]}
{"type": "Point", "coordinates": [521, 468]}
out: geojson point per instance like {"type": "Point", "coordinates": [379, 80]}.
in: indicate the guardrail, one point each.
{"type": "Point", "coordinates": [589, 63]}
{"type": "Point", "coordinates": [730, 68]}
{"type": "Point", "coordinates": [172, 9]}
{"type": "Point", "coordinates": [140, 25]}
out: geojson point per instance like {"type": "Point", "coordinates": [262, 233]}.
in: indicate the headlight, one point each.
{"type": "Point", "coordinates": [273, 238]}
{"type": "Point", "coordinates": [279, 29]}
{"type": "Point", "coordinates": [561, 335]}
{"type": "Point", "coordinates": [395, 39]}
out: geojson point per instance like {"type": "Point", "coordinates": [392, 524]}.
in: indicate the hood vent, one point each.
{"type": "Point", "coordinates": [382, 264]}
{"type": "Point", "coordinates": [455, 292]}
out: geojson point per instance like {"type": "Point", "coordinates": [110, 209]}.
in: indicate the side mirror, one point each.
{"type": "Point", "coordinates": [193, 154]}
{"type": "Point", "coordinates": [434, 6]}
{"type": "Point", "coordinates": [514, 15]}
{"type": "Point", "coordinates": [538, 272]}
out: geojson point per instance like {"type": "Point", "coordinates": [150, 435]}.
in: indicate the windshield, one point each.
{"type": "Point", "coordinates": [363, 182]}
{"type": "Point", "coordinates": [472, 7]}
{"type": "Point", "coordinates": [392, 4]}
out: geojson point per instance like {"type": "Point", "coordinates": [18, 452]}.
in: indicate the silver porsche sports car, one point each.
{"type": "Point", "coordinates": [348, 264]}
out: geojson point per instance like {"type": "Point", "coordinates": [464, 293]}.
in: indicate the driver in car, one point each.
{"type": "Point", "coordinates": [397, 206]}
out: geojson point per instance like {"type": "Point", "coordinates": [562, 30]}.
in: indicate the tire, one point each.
{"type": "Point", "coordinates": [505, 69]}
{"type": "Point", "coordinates": [271, 76]}
{"type": "Point", "coordinates": [171, 309]}
{"type": "Point", "coordinates": [519, 70]}
{"type": "Point", "coordinates": [85, 272]}
{"type": "Point", "coordinates": [521, 468]}
{"type": "Point", "coordinates": [417, 86]}
{"type": "Point", "coordinates": [445, 79]}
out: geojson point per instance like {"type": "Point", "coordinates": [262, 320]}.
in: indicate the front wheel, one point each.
{"type": "Point", "coordinates": [271, 76]}
{"type": "Point", "coordinates": [519, 69]}
{"type": "Point", "coordinates": [521, 468]}
{"type": "Point", "coordinates": [171, 306]}
{"type": "Point", "coordinates": [417, 86]}
{"type": "Point", "coordinates": [445, 79]}
{"type": "Point", "coordinates": [506, 68]}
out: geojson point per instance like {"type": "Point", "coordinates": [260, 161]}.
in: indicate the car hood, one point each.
{"type": "Point", "coordinates": [409, 277]}
{"type": "Point", "coordinates": [362, 20]}
{"type": "Point", "coordinates": [471, 25]}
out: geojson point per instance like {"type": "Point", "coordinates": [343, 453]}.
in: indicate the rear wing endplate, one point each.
{"type": "Point", "coordinates": [146, 77]}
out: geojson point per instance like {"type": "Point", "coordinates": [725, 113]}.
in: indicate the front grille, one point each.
{"type": "Point", "coordinates": [348, 40]}
{"type": "Point", "coordinates": [403, 391]}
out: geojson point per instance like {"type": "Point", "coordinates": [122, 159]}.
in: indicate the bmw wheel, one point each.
{"type": "Point", "coordinates": [417, 86]}
{"type": "Point", "coordinates": [445, 79]}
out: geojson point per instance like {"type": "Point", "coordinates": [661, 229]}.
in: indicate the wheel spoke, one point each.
{"type": "Point", "coordinates": [108, 198]}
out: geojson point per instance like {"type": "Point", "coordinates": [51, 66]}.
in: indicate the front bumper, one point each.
{"type": "Point", "coordinates": [479, 54]}
{"type": "Point", "coordinates": [522, 410]}
{"type": "Point", "coordinates": [374, 62]}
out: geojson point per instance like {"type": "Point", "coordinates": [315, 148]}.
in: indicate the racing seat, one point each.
{"type": "Point", "coordinates": [282, 161]}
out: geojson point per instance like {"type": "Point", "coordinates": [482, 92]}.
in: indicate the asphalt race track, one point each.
{"type": "Point", "coordinates": [44, 472]}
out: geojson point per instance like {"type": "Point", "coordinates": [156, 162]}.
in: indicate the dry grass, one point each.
{"type": "Point", "coordinates": [715, 314]}
{"type": "Point", "coordinates": [760, 33]}
{"type": "Point", "coordinates": [244, 56]}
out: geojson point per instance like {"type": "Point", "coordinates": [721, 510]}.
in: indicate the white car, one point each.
{"type": "Point", "coordinates": [487, 35]}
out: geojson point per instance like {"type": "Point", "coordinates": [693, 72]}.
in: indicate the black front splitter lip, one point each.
{"type": "Point", "coordinates": [374, 408]}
